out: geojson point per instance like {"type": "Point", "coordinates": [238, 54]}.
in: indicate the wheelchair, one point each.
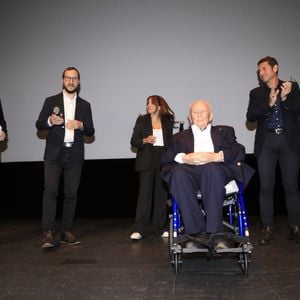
{"type": "Point", "coordinates": [235, 230]}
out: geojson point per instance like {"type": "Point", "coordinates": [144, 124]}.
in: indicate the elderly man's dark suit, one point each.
{"type": "Point", "coordinates": [60, 159]}
{"type": "Point", "coordinates": [185, 180]}
{"type": "Point", "coordinates": [147, 163]}
{"type": "Point", "coordinates": [270, 147]}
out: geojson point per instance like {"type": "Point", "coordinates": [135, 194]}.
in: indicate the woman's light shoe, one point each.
{"type": "Point", "coordinates": [136, 236]}
{"type": "Point", "coordinates": [165, 234]}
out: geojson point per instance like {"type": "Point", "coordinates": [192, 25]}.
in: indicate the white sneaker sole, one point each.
{"type": "Point", "coordinates": [165, 234]}
{"type": "Point", "coordinates": [70, 244]}
{"type": "Point", "coordinates": [47, 245]}
{"type": "Point", "coordinates": [136, 236]}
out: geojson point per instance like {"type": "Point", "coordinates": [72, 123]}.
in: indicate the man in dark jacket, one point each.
{"type": "Point", "coordinates": [67, 118]}
{"type": "Point", "coordinates": [275, 106]}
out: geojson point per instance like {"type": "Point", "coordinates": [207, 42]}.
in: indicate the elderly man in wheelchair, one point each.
{"type": "Point", "coordinates": [203, 158]}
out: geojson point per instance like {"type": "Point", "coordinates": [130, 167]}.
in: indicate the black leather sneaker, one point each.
{"type": "Point", "coordinates": [266, 236]}
{"type": "Point", "coordinates": [295, 234]}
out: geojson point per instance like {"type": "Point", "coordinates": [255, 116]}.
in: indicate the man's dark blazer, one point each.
{"type": "Point", "coordinates": [142, 129]}
{"type": "Point", "coordinates": [259, 111]}
{"type": "Point", "coordinates": [56, 134]}
{"type": "Point", "coordinates": [2, 119]}
{"type": "Point", "coordinates": [223, 138]}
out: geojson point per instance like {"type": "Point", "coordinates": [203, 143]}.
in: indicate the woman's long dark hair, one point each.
{"type": "Point", "coordinates": [165, 110]}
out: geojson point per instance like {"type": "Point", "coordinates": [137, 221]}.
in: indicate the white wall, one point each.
{"type": "Point", "coordinates": [127, 50]}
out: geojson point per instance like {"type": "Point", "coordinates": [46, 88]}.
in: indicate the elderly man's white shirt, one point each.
{"type": "Point", "coordinates": [202, 141]}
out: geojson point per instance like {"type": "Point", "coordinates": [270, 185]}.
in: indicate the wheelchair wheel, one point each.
{"type": "Point", "coordinates": [176, 262]}
{"type": "Point", "coordinates": [244, 262]}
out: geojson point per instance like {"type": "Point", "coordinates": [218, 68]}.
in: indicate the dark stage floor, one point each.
{"type": "Point", "coordinates": [109, 266]}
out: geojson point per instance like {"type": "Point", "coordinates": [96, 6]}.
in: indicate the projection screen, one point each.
{"type": "Point", "coordinates": [127, 50]}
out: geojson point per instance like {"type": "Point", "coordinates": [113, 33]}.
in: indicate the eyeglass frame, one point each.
{"type": "Point", "coordinates": [69, 78]}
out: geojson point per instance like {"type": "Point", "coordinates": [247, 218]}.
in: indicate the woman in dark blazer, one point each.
{"type": "Point", "coordinates": [151, 135]}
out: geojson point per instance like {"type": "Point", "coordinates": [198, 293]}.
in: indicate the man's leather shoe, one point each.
{"type": "Point", "coordinates": [220, 243]}
{"type": "Point", "coordinates": [295, 234]}
{"type": "Point", "coordinates": [193, 245]}
{"type": "Point", "coordinates": [204, 239]}
{"type": "Point", "coordinates": [48, 239]}
{"type": "Point", "coordinates": [266, 236]}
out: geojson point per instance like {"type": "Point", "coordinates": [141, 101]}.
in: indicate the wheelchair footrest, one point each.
{"type": "Point", "coordinates": [195, 250]}
{"type": "Point", "coordinates": [180, 244]}
{"type": "Point", "coordinates": [247, 248]}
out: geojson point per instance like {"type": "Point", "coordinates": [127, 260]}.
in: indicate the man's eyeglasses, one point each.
{"type": "Point", "coordinates": [68, 78]}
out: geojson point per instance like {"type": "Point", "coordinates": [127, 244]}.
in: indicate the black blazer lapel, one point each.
{"type": "Point", "coordinates": [77, 109]}
{"type": "Point", "coordinates": [190, 141]}
{"type": "Point", "coordinates": [216, 138]}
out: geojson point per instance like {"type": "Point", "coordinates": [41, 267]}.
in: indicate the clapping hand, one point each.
{"type": "Point", "coordinates": [286, 88]}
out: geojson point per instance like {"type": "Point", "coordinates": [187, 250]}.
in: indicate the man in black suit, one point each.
{"type": "Point", "coordinates": [67, 118]}
{"type": "Point", "coordinates": [3, 129]}
{"type": "Point", "coordinates": [275, 106]}
{"type": "Point", "coordinates": [203, 157]}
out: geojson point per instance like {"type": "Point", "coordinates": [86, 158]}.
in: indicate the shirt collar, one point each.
{"type": "Point", "coordinates": [197, 131]}
{"type": "Point", "coordinates": [67, 97]}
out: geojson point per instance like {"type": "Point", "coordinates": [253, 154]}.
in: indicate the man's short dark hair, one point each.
{"type": "Point", "coordinates": [70, 69]}
{"type": "Point", "coordinates": [270, 60]}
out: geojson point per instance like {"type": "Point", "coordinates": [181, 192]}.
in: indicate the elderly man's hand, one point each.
{"type": "Point", "coordinates": [200, 158]}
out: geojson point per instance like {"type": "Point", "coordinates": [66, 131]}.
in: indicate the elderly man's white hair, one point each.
{"type": "Point", "coordinates": [203, 101]}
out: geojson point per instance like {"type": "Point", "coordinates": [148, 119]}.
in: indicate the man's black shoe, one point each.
{"type": "Point", "coordinates": [295, 234]}
{"type": "Point", "coordinates": [220, 243]}
{"type": "Point", "coordinates": [181, 239]}
{"type": "Point", "coordinates": [266, 236]}
{"type": "Point", "coordinates": [193, 245]}
{"type": "Point", "coordinates": [204, 239]}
